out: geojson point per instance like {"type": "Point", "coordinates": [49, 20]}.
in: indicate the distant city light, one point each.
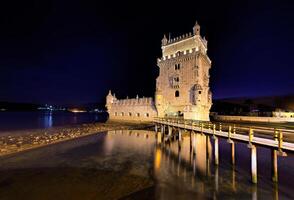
{"type": "Point", "coordinates": [51, 108]}
{"type": "Point", "coordinates": [76, 110]}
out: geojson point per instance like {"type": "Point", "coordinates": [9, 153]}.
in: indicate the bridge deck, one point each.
{"type": "Point", "coordinates": [269, 142]}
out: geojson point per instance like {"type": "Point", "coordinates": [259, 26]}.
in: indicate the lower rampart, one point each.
{"type": "Point", "coordinates": [133, 110]}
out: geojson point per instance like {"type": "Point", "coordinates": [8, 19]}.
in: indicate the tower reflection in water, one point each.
{"type": "Point", "coordinates": [176, 168]}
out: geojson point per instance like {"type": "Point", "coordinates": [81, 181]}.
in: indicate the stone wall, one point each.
{"type": "Point", "coordinates": [136, 109]}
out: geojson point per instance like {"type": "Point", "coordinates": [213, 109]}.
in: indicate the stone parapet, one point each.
{"type": "Point", "coordinates": [134, 101]}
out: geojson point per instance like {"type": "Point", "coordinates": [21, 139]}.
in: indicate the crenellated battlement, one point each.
{"type": "Point", "coordinates": [178, 39]}
{"type": "Point", "coordinates": [183, 37]}
{"type": "Point", "coordinates": [144, 101]}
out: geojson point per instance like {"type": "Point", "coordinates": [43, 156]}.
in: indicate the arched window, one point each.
{"type": "Point", "coordinates": [138, 114]}
{"type": "Point", "coordinates": [130, 114]}
{"type": "Point", "coordinates": [177, 93]}
{"type": "Point", "coordinates": [115, 113]}
{"type": "Point", "coordinates": [122, 114]}
{"type": "Point", "coordinates": [147, 114]}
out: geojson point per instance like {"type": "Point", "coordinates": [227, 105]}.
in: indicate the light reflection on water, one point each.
{"type": "Point", "coordinates": [170, 172]}
{"type": "Point", "coordinates": [48, 121]}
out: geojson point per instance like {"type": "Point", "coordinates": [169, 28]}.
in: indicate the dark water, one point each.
{"type": "Point", "coordinates": [130, 165]}
{"type": "Point", "coordinates": [34, 120]}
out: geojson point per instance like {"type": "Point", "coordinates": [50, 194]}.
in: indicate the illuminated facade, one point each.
{"type": "Point", "coordinates": [182, 87]}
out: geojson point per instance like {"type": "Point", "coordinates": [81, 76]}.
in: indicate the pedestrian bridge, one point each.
{"type": "Point", "coordinates": [265, 136]}
{"type": "Point", "coordinates": [273, 138]}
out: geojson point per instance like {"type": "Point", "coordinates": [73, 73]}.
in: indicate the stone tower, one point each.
{"type": "Point", "coordinates": [182, 87]}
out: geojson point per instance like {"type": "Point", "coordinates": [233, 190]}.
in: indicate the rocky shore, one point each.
{"type": "Point", "coordinates": [14, 142]}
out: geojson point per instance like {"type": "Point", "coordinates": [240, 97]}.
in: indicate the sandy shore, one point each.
{"type": "Point", "coordinates": [18, 141]}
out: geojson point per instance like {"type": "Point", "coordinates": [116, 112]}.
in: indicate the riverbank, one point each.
{"type": "Point", "coordinates": [19, 141]}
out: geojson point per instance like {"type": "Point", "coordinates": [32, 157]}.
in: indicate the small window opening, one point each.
{"type": "Point", "coordinates": [177, 66]}
{"type": "Point", "coordinates": [177, 93]}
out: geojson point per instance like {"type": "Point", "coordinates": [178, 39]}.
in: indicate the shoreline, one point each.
{"type": "Point", "coordinates": [31, 139]}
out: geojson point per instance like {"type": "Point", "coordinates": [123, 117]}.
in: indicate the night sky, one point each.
{"type": "Point", "coordinates": [73, 52]}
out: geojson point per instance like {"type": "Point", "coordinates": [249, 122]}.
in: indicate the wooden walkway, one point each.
{"type": "Point", "coordinates": [236, 133]}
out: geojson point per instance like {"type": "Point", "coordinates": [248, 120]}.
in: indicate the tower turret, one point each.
{"type": "Point", "coordinates": [196, 29]}
{"type": "Point", "coordinates": [109, 100]}
{"type": "Point", "coordinates": [164, 40]}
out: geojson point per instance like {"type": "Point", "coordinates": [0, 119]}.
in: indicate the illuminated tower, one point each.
{"type": "Point", "coordinates": [182, 87]}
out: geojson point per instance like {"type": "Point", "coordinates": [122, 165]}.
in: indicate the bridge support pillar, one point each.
{"type": "Point", "coordinates": [274, 165]}
{"type": "Point", "coordinates": [216, 151]}
{"type": "Point", "coordinates": [170, 130]}
{"type": "Point", "coordinates": [158, 138]}
{"type": "Point", "coordinates": [233, 153]}
{"type": "Point", "coordinates": [180, 139]}
{"type": "Point", "coordinates": [253, 164]}
{"type": "Point", "coordinates": [207, 156]}
{"type": "Point", "coordinates": [191, 132]}
{"type": "Point", "coordinates": [162, 134]}
{"type": "Point", "coordinates": [190, 152]}
{"type": "Point", "coordinates": [194, 143]}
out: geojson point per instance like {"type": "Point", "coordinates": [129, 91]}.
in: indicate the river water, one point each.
{"type": "Point", "coordinates": [131, 165]}
{"type": "Point", "coordinates": [12, 121]}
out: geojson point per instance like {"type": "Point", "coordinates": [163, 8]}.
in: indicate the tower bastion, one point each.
{"type": "Point", "coordinates": [135, 109]}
